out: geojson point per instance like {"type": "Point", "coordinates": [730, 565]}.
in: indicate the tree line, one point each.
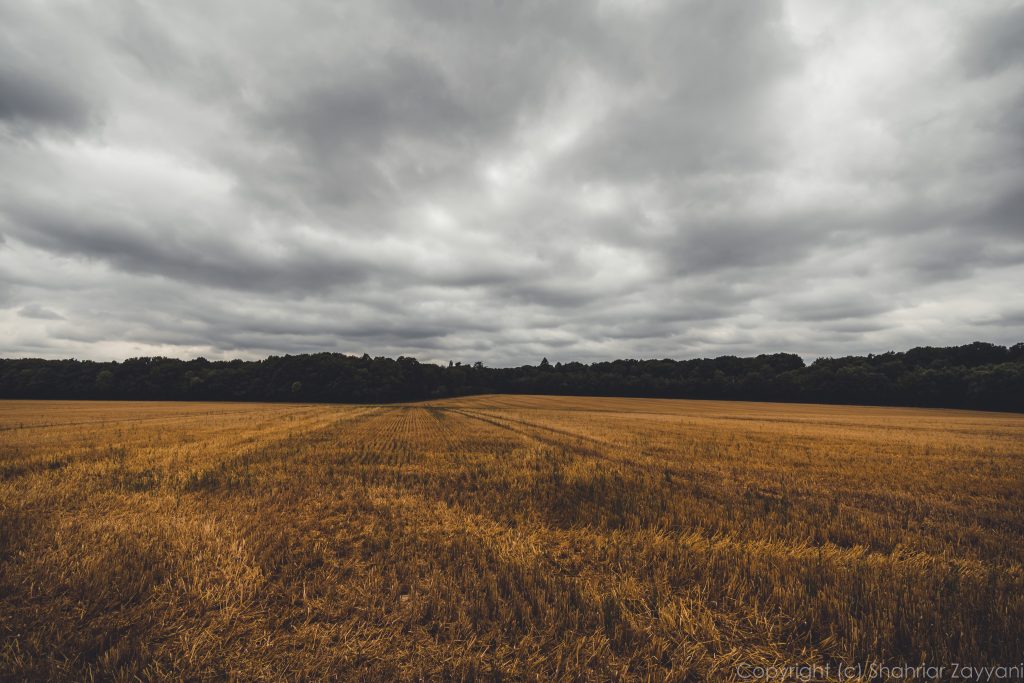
{"type": "Point", "coordinates": [977, 375]}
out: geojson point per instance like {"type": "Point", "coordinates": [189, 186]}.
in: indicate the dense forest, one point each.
{"type": "Point", "coordinates": [977, 375]}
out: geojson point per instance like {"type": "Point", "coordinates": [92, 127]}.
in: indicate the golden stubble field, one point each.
{"type": "Point", "coordinates": [504, 537]}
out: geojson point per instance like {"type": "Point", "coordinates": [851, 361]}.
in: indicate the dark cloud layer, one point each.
{"type": "Point", "coordinates": [505, 181]}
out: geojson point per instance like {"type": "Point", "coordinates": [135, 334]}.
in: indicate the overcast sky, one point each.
{"type": "Point", "coordinates": [502, 181]}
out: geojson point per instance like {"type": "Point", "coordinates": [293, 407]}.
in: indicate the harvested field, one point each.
{"type": "Point", "coordinates": [504, 537]}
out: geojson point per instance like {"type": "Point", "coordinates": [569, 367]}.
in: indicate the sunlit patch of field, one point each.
{"type": "Point", "coordinates": [512, 536]}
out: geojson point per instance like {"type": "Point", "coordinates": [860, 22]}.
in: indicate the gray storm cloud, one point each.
{"type": "Point", "coordinates": [505, 181]}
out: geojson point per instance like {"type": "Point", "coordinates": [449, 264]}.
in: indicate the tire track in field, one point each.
{"type": "Point", "coordinates": [586, 451]}
{"type": "Point", "coordinates": [593, 439]}
{"type": "Point", "coordinates": [230, 435]}
{"type": "Point", "coordinates": [536, 425]}
{"type": "Point", "coordinates": [445, 429]}
{"type": "Point", "coordinates": [651, 460]}
{"type": "Point", "coordinates": [395, 436]}
{"type": "Point", "coordinates": [170, 416]}
{"type": "Point", "coordinates": [300, 441]}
